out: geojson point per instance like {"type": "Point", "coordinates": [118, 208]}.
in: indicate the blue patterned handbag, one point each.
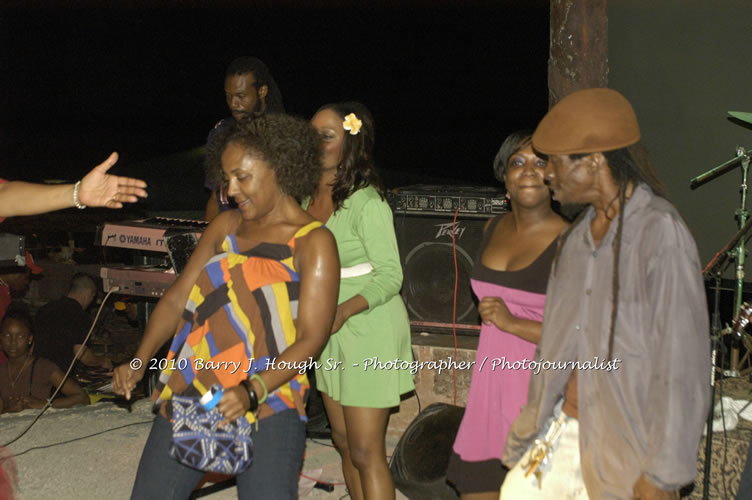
{"type": "Point", "coordinates": [198, 442]}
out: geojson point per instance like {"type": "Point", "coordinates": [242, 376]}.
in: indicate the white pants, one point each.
{"type": "Point", "coordinates": [562, 482]}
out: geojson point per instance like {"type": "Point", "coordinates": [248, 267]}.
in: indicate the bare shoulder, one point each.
{"type": "Point", "coordinates": [316, 248]}
{"type": "Point", "coordinates": [223, 224]}
{"type": "Point", "coordinates": [229, 219]}
{"type": "Point", "coordinates": [318, 237]}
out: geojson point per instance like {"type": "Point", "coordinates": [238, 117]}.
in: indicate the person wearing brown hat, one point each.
{"type": "Point", "coordinates": [620, 394]}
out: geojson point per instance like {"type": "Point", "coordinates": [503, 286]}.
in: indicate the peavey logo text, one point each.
{"type": "Point", "coordinates": [446, 230]}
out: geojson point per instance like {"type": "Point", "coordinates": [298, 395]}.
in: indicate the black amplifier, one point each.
{"type": "Point", "coordinates": [472, 201]}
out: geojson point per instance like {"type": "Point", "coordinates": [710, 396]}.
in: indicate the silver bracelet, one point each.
{"type": "Point", "coordinates": [76, 202]}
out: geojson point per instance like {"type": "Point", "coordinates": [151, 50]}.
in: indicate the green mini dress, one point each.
{"type": "Point", "coordinates": [367, 363]}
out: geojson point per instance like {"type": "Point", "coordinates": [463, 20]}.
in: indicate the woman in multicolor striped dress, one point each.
{"type": "Point", "coordinates": [255, 302]}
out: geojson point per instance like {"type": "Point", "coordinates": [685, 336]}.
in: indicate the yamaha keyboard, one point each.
{"type": "Point", "coordinates": [174, 239]}
{"type": "Point", "coordinates": [145, 234]}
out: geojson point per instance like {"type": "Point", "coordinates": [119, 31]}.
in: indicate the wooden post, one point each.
{"type": "Point", "coordinates": [578, 56]}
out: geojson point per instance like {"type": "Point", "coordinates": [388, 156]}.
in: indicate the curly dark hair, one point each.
{"type": "Point", "coordinates": [291, 147]}
{"type": "Point", "coordinates": [215, 146]}
{"type": "Point", "coordinates": [357, 168]}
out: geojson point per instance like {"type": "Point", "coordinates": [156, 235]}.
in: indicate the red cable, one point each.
{"type": "Point", "coordinates": [454, 305]}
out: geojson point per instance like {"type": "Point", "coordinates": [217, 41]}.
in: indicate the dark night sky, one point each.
{"type": "Point", "coordinates": [445, 86]}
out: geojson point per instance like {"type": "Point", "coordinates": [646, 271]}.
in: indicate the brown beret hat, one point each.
{"type": "Point", "coordinates": [587, 121]}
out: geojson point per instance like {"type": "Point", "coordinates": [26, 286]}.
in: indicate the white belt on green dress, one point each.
{"type": "Point", "coordinates": [356, 270]}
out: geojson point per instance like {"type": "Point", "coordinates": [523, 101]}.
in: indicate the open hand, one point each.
{"type": "Point", "coordinates": [100, 189]}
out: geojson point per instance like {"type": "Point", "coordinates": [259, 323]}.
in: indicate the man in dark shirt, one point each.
{"type": "Point", "coordinates": [250, 90]}
{"type": "Point", "coordinates": [61, 326]}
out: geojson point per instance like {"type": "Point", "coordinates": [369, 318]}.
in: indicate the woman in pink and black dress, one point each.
{"type": "Point", "coordinates": [509, 278]}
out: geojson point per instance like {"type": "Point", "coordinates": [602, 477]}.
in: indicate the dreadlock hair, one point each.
{"type": "Point", "coordinates": [357, 169]}
{"type": "Point", "coordinates": [630, 165]}
{"type": "Point", "coordinates": [263, 76]}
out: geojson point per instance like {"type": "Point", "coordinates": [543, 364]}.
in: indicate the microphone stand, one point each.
{"type": "Point", "coordinates": [742, 215]}
{"type": "Point", "coordinates": [734, 247]}
{"type": "Point", "coordinates": [715, 335]}
{"type": "Point", "coordinates": [742, 158]}
{"type": "Point", "coordinates": [714, 269]}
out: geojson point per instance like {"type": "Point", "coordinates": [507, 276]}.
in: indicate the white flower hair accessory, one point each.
{"type": "Point", "coordinates": [352, 123]}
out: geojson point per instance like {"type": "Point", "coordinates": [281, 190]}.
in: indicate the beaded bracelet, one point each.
{"type": "Point", "coordinates": [76, 201]}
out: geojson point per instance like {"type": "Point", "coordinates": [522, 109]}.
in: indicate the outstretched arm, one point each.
{"type": "Point", "coordinates": [97, 189]}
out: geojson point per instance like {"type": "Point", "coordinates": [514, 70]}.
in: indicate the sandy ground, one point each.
{"type": "Point", "coordinates": [93, 452]}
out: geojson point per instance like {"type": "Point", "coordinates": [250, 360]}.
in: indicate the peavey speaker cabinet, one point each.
{"type": "Point", "coordinates": [423, 222]}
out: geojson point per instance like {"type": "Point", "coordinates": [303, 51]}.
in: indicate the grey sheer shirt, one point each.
{"type": "Point", "coordinates": [645, 415]}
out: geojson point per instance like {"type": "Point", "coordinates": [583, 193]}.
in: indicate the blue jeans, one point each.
{"type": "Point", "coordinates": [278, 449]}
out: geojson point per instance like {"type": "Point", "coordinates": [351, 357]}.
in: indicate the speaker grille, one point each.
{"type": "Point", "coordinates": [425, 245]}
{"type": "Point", "coordinates": [429, 278]}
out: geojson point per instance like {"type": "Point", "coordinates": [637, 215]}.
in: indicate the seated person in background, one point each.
{"type": "Point", "coordinates": [14, 283]}
{"type": "Point", "coordinates": [63, 324]}
{"type": "Point", "coordinates": [509, 280]}
{"type": "Point", "coordinates": [28, 381]}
